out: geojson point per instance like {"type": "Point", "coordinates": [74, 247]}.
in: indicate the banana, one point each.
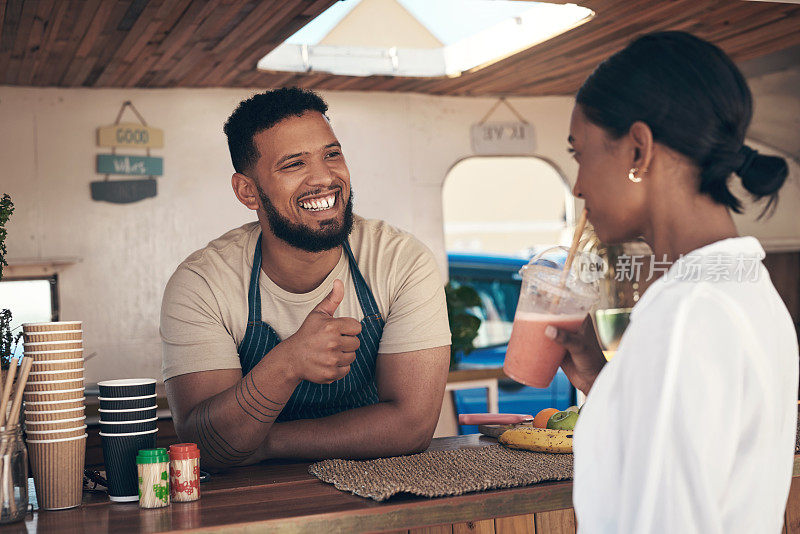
{"type": "Point", "coordinates": [537, 439]}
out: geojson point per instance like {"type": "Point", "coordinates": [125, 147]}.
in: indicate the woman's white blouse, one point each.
{"type": "Point", "coordinates": [691, 426]}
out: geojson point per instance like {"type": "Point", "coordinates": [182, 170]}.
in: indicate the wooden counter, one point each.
{"type": "Point", "coordinates": [283, 497]}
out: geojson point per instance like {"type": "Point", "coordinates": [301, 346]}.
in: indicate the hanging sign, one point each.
{"type": "Point", "coordinates": [502, 138]}
{"type": "Point", "coordinates": [129, 165]}
{"type": "Point", "coordinates": [128, 134]}
{"type": "Point", "coordinates": [124, 191]}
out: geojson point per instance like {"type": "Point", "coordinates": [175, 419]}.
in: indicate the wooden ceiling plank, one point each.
{"type": "Point", "coordinates": [77, 61]}
{"type": "Point", "coordinates": [227, 69]}
{"type": "Point", "coordinates": [315, 9]}
{"type": "Point", "coordinates": [36, 48]}
{"type": "Point", "coordinates": [57, 44]}
{"type": "Point", "coordinates": [250, 25]}
{"type": "Point", "coordinates": [143, 26]}
{"type": "Point", "coordinates": [184, 30]}
{"type": "Point", "coordinates": [197, 53]}
{"type": "Point", "coordinates": [11, 13]}
{"type": "Point", "coordinates": [103, 45]}
{"type": "Point", "coordinates": [3, 4]}
{"type": "Point", "coordinates": [57, 19]}
{"type": "Point", "coordinates": [21, 39]}
{"type": "Point", "coordinates": [76, 24]}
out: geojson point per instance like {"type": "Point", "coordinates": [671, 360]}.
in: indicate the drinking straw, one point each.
{"type": "Point", "coordinates": [12, 371]}
{"type": "Point", "coordinates": [23, 379]}
{"type": "Point", "coordinates": [576, 239]}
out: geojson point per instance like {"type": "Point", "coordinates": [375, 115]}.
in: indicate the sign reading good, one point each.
{"type": "Point", "coordinates": [502, 138]}
{"type": "Point", "coordinates": [129, 134]}
{"type": "Point", "coordinates": [129, 165]}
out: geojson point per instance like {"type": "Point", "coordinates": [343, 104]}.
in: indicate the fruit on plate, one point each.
{"type": "Point", "coordinates": [541, 418]}
{"type": "Point", "coordinates": [537, 439]}
{"type": "Point", "coordinates": [563, 420]}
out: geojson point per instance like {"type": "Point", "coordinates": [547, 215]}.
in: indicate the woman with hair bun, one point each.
{"type": "Point", "coordinates": [691, 427]}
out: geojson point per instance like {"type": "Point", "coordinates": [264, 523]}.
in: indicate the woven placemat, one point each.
{"type": "Point", "coordinates": [440, 473]}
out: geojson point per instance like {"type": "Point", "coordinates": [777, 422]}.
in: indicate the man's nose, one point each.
{"type": "Point", "coordinates": [321, 174]}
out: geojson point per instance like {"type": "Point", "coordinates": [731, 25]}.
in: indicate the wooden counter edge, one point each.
{"type": "Point", "coordinates": [477, 506]}
{"type": "Point", "coordinates": [438, 511]}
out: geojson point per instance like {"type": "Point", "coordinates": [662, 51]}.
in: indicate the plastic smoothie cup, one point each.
{"type": "Point", "coordinates": [532, 358]}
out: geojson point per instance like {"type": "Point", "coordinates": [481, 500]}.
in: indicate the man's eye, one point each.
{"type": "Point", "coordinates": [293, 164]}
{"type": "Point", "coordinates": [334, 154]}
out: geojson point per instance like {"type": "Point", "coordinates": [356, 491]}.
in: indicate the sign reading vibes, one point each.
{"type": "Point", "coordinates": [129, 165]}
{"type": "Point", "coordinates": [503, 138]}
{"type": "Point", "coordinates": [129, 134]}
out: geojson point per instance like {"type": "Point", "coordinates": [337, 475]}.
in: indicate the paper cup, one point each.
{"type": "Point", "coordinates": [57, 355]}
{"type": "Point", "coordinates": [50, 327]}
{"type": "Point", "coordinates": [119, 455]}
{"type": "Point", "coordinates": [46, 337]}
{"type": "Point", "coordinates": [127, 427]}
{"type": "Point", "coordinates": [54, 385]}
{"type": "Point", "coordinates": [127, 415]}
{"type": "Point", "coordinates": [41, 376]}
{"type": "Point", "coordinates": [56, 365]}
{"type": "Point", "coordinates": [57, 466]}
{"type": "Point", "coordinates": [127, 403]}
{"type": "Point", "coordinates": [73, 432]}
{"type": "Point", "coordinates": [36, 348]}
{"type": "Point", "coordinates": [56, 395]}
{"type": "Point", "coordinates": [54, 415]}
{"type": "Point", "coordinates": [127, 387]}
{"type": "Point", "coordinates": [54, 425]}
{"type": "Point", "coordinates": [54, 405]}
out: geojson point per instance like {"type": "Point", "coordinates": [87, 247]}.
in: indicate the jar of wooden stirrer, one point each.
{"type": "Point", "coordinates": [153, 467]}
{"type": "Point", "coordinates": [184, 470]}
{"type": "Point", "coordinates": [13, 454]}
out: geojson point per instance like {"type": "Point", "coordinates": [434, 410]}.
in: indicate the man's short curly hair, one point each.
{"type": "Point", "coordinates": [263, 111]}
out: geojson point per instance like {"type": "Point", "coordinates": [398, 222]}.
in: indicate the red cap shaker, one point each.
{"type": "Point", "coordinates": [184, 472]}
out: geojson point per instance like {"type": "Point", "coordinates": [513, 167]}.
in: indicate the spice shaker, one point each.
{"type": "Point", "coordinates": [184, 472]}
{"type": "Point", "coordinates": [153, 467]}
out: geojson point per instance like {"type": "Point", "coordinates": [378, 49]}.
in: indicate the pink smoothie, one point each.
{"type": "Point", "coordinates": [532, 358]}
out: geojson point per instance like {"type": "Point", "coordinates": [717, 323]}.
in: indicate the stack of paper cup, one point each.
{"type": "Point", "coordinates": [55, 422]}
{"type": "Point", "coordinates": [127, 425]}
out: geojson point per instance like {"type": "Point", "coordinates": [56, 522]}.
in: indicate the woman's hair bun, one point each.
{"type": "Point", "coordinates": [762, 175]}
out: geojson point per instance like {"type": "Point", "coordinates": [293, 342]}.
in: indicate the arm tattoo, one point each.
{"type": "Point", "coordinates": [254, 403]}
{"type": "Point", "coordinates": [212, 442]}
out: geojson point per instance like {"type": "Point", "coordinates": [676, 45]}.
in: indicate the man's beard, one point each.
{"type": "Point", "coordinates": [303, 237]}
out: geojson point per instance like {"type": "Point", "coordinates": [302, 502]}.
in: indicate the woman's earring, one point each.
{"type": "Point", "coordinates": [632, 176]}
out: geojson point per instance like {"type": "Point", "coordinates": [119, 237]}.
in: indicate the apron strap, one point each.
{"type": "Point", "coordinates": [365, 297]}
{"type": "Point", "coordinates": [254, 292]}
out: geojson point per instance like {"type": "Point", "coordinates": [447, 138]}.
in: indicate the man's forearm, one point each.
{"type": "Point", "coordinates": [230, 426]}
{"type": "Point", "coordinates": [379, 430]}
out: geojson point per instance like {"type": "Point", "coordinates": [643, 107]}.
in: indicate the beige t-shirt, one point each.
{"type": "Point", "coordinates": [204, 311]}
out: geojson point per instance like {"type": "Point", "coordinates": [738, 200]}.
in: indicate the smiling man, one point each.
{"type": "Point", "coordinates": [313, 332]}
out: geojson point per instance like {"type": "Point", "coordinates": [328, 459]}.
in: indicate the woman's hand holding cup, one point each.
{"type": "Point", "coordinates": [584, 359]}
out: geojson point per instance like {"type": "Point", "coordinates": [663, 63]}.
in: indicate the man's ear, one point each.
{"type": "Point", "coordinates": [642, 137]}
{"type": "Point", "coordinates": [245, 190]}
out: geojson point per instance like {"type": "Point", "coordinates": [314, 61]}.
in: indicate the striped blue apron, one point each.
{"type": "Point", "coordinates": [310, 400]}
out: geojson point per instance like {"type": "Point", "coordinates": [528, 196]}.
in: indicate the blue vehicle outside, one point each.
{"type": "Point", "coordinates": [497, 281]}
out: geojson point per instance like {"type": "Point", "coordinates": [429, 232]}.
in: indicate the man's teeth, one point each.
{"type": "Point", "coordinates": [318, 204]}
